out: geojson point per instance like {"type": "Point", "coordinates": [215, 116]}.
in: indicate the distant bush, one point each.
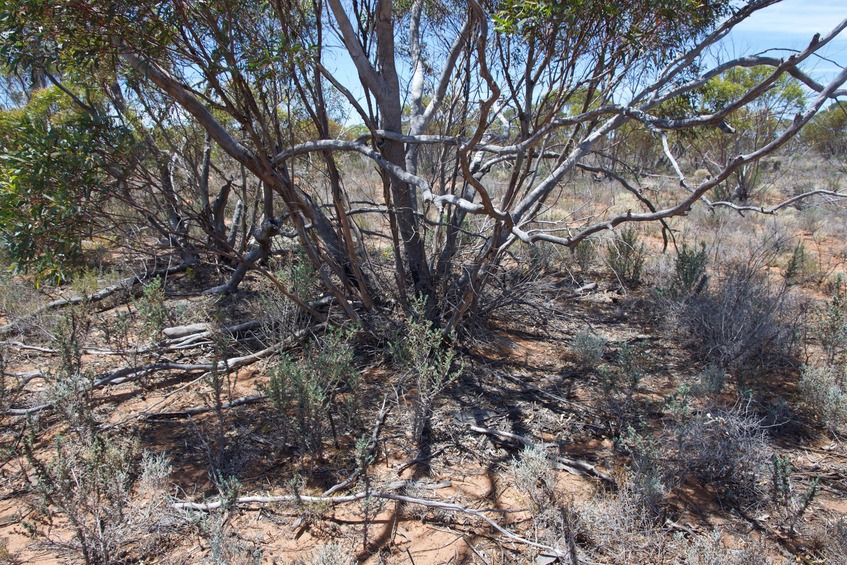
{"type": "Point", "coordinates": [827, 132]}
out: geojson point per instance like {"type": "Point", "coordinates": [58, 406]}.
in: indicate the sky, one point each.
{"type": "Point", "coordinates": [792, 24]}
{"type": "Point", "coordinates": [789, 24]}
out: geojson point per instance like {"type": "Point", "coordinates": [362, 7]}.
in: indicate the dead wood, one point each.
{"type": "Point", "coordinates": [102, 294]}
{"type": "Point", "coordinates": [573, 466]}
{"type": "Point", "coordinates": [384, 494]}
{"type": "Point", "coordinates": [187, 413]}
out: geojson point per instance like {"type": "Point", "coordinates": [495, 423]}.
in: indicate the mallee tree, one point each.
{"type": "Point", "coordinates": [473, 117]}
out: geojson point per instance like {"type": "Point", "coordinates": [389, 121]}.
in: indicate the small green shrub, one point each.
{"type": "Point", "coordinates": [307, 394]}
{"type": "Point", "coordinates": [646, 483]}
{"type": "Point", "coordinates": [626, 256]}
{"type": "Point", "coordinates": [588, 348]}
{"type": "Point", "coordinates": [534, 477]}
{"type": "Point", "coordinates": [152, 310]}
{"type": "Point", "coordinates": [690, 267]}
{"type": "Point", "coordinates": [790, 503]}
{"type": "Point", "coordinates": [585, 254]}
{"type": "Point", "coordinates": [822, 390]}
{"type": "Point", "coordinates": [423, 355]}
{"type": "Point", "coordinates": [89, 481]}
{"type": "Point", "coordinates": [829, 323]}
{"type": "Point", "coordinates": [797, 266]}
{"type": "Point", "coordinates": [711, 380]}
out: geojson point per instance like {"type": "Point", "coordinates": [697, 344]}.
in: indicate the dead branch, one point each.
{"type": "Point", "coordinates": [372, 445]}
{"type": "Point", "coordinates": [188, 412]}
{"type": "Point", "coordinates": [126, 283]}
{"type": "Point", "coordinates": [384, 495]}
{"type": "Point", "coordinates": [574, 466]}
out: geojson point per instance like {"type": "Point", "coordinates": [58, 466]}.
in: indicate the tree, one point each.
{"type": "Point", "coordinates": [475, 115]}
{"type": "Point", "coordinates": [52, 175]}
{"type": "Point", "coordinates": [827, 132]}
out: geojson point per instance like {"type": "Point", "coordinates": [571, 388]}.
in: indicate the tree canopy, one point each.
{"type": "Point", "coordinates": [470, 116]}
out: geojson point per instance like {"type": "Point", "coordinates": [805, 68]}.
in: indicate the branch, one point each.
{"type": "Point", "coordinates": [128, 282]}
{"type": "Point", "coordinates": [685, 205]}
{"type": "Point", "coordinates": [188, 412]}
{"type": "Point", "coordinates": [370, 78]}
{"type": "Point", "coordinates": [334, 500]}
{"type": "Point", "coordinates": [574, 466]}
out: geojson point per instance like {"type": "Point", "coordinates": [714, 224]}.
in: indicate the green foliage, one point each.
{"type": "Point", "coordinates": [791, 503]}
{"type": "Point", "coordinates": [585, 253]}
{"type": "Point", "coordinates": [690, 267]}
{"type": "Point", "coordinates": [307, 394]}
{"type": "Point", "coordinates": [829, 324]}
{"type": "Point", "coordinates": [588, 349]}
{"type": "Point", "coordinates": [152, 310]}
{"type": "Point", "coordinates": [51, 181]}
{"type": "Point", "coordinates": [822, 390]}
{"type": "Point", "coordinates": [626, 255]}
{"type": "Point", "coordinates": [89, 481]}
{"type": "Point", "coordinates": [658, 27]}
{"type": "Point", "coordinates": [797, 266]}
{"type": "Point", "coordinates": [827, 132]}
{"type": "Point", "coordinates": [711, 381]}
{"type": "Point", "coordinates": [786, 95]}
{"type": "Point", "coordinates": [421, 353]}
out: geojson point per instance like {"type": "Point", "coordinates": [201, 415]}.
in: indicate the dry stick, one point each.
{"type": "Point", "coordinates": [188, 412]}
{"type": "Point", "coordinates": [380, 420]}
{"type": "Point", "coordinates": [574, 466]}
{"type": "Point", "coordinates": [128, 282]}
{"type": "Point", "coordinates": [446, 506]}
{"type": "Point", "coordinates": [576, 406]}
{"type": "Point", "coordinates": [128, 374]}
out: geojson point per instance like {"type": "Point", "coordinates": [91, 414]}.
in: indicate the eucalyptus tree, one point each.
{"type": "Point", "coordinates": [473, 117]}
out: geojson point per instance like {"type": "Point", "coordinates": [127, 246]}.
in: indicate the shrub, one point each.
{"type": "Point", "coordinates": [726, 449]}
{"type": "Point", "coordinates": [711, 380]}
{"type": "Point", "coordinates": [585, 254]}
{"type": "Point", "coordinates": [745, 324]}
{"type": "Point", "coordinates": [89, 481]}
{"type": "Point", "coordinates": [690, 268]}
{"type": "Point", "coordinates": [822, 390]}
{"type": "Point", "coordinates": [152, 310]}
{"type": "Point", "coordinates": [835, 535]}
{"type": "Point", "coordinates": [797, 266]}
{"type": "Point", "coordinates": [646, 484]}
{"type": "Point", "coordinates": [306, 394]}
{"type": "Point", "coordinates": [588, 348]}
{"type": "Point", "coordinates": [829, 323]}
{"type": "Point", "coordinates": [708, 550]}
{"type": "Point", "coordinates": [423, 355]}
{"type": "Point", "coordinates": [626, 255]}
{"type": "Point", "coordinates": [534, 477]}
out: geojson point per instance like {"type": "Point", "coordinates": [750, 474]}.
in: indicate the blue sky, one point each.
{"type": "Point", "coordinates": [791, 24]}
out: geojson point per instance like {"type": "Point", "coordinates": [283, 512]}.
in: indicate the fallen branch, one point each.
{"type": "Point", "coordinates": [384, 495]}
{"type": "Point", "coordinates": [372, 444]}
{"type": "Point", "coordinates": [128, 374]}
{"type": "Point", "coordinates": [128, 282]}
{"type": "Point", "coordinates": [187, 413]}
{"type": "Point", "coordinates": [574, 466]}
